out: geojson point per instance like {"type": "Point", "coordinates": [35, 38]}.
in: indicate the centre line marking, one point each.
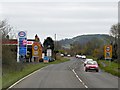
{"type": "Point", "coordinates": [79, 78]}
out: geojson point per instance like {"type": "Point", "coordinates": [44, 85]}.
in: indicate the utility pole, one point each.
{"type": "Point", "coordinates": [55, 41]}
{"type": "Point", "coordinates": [118, 51]}
{"type": "Point", "coordinates": [0, 58]}
{"type": "Point", "coordinates": [55, 46]}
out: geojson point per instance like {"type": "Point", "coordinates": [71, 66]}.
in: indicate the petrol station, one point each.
{"type": "Point", "coordinates": [27, 50]}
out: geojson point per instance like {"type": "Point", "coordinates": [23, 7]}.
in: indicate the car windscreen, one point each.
{"type": "Point", "coordinates": [92, 63]}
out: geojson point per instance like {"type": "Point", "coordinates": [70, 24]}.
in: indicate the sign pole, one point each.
{"type": "Point", "coordinates": [18, 60]}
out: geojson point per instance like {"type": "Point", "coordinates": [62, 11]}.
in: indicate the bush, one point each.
{"type": "Point", "coordinates": [9, 59]}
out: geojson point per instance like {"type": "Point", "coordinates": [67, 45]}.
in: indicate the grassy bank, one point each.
{"type": "Point", "coordinates": [108, 66]}
{"type": "Point", "coordinates": [0, 81]}
{"type": "Point", "coordinates": [11, 77]}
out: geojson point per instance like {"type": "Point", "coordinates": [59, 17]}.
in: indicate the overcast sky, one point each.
{"type": "Point", "coordinates": [66, 18]}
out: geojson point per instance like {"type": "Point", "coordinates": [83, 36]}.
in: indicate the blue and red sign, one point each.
{"type": "Point", "coordinates": [22, 43]}
{"type": "Point", "coordinates": [22, 47]}
{"type": "Point", "coordinates": [46, 59]}
{"type": "Point", "coordinates": [22, 34]}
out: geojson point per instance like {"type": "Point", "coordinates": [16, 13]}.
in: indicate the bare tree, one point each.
{"type": "Point", "coordinates": [5, 29]}
{"type": "Point", "coordinates": [115, 33]}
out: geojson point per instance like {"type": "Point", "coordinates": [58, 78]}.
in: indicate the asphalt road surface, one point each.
{"type": "Point", "coordinates": [69, 74]}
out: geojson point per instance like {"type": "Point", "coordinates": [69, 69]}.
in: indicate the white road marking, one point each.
{"type": "Point", "coordinates": [79, 78]}
{"type": "Point", "coordinates": [25, 77]}
{"type": "Point", "coordinates": [86, 86]}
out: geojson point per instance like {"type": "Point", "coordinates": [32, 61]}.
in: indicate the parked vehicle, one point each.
{"type": "Point", "coordinates": [69, 55]}
{"type": "Point", "coordinates": [51, 59]}
{"type": "Point", "coordinates": [92, 65]}
{"type": "Point", "coordinates": [62, 55]}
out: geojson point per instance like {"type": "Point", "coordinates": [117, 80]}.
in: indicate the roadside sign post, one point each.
{"type": "Point", "coordinates": [36, 51]}
{"type": "Point", "coordinates": [22, 45]}
{"type": "Point", "coordinates": [49, 52]}
{"type": "Point", "coordinates": [108, 52]}
{"type": "Point", "coordinates": [46, 59]}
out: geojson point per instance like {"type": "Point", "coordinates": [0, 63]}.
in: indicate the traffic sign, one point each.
{"type": "Point", "coordinates": [108, 48]}
{"type": "Point", "coordinates": [108, 51]}
{"type": "Point", "coordinates": [46, 59]}
{"type": "Point", "coordinates": [49, 52]}
{"type": "Point", "coordinates": [36, 49]}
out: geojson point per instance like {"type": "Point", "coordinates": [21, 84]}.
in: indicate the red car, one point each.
{"type": "Point", "coordinates": [92, 65]}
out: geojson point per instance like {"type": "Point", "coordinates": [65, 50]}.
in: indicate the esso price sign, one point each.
{"type": "Point", "coordinates": [21, 34]}
{"type": "Point", "coordinates": [24, 42]}
{"type": "Point", "coordinates": [35, 47]}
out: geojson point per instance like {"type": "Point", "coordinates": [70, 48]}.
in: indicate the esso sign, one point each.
{"type": "Point", "coordinates": [21, 34]}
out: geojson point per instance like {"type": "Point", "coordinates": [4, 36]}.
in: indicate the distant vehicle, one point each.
{"type": "Point", "coordinates": [62, 55]}
{"type": "Point", "coordinates": [92, 65]}
{"type": "Point", "coordinates": [87, 61]}
{"type": "Point", "coordinates": [51, 59]}
{"type": "Point", "coordinates": [83, 57]}
{"type": "Point", "coordinates": [69, 55]}
{"type": "Point", "coordinates": [78, 56]}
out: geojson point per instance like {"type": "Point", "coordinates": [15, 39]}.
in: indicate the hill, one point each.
{"type": "Point", "coordinates": [83, 39]}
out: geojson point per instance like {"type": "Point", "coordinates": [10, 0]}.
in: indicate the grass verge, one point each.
{"type": "Point", "coordinates": [0, 82]}
{"type": "Point", "coordinates": [110, 67]}
{"type": "Point", "coordinates": [13, 76]}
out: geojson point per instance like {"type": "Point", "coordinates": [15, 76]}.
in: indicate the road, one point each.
{"type": "Point", "coordinates": [69, 74]}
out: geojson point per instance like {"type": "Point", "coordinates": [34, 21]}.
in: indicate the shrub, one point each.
{"type": "Point", "coordinates": [9, 59]}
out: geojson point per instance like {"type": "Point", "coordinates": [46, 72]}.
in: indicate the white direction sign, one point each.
{"type": "Point", "coordinates": [49, 52]}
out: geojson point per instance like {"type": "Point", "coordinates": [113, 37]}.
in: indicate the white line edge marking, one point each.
{"type": "Point", "coordinates": [25, 78]}
{"type": "Point", "coordinates": [79, 79]}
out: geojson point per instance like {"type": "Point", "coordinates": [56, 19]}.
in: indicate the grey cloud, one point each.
{"type": "Point", "coordinates": [68, 19]}
{"type": "Point", "coordinates": [60, 0]}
